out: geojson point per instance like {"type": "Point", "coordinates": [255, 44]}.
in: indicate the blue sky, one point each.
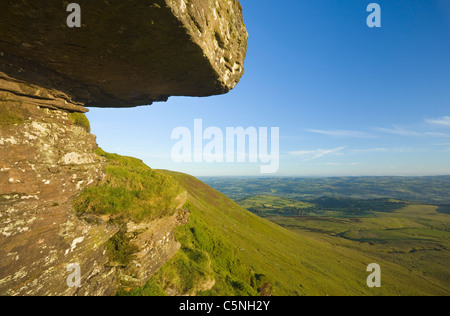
{"type": "Point", "coordinates": [349, 100]}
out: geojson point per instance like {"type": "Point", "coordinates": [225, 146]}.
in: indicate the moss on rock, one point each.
{"type": "Point", "coordinates": [81, 120]}
{"type": "Point", "coordinates": [10, 115]}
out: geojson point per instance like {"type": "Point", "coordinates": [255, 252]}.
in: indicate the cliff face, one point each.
{"type": "Point", "coordinates": [127, 53]}
{"type": "Point", "coordinates": [46, 160]}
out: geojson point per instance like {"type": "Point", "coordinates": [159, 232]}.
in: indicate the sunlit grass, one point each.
{"type": "Point", "coordinates": [130, 189]}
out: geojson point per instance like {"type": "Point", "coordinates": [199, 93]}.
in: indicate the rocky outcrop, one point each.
{"type": "Point", "coordinates": [126, 53]}
{"type": "Point", "coordinates": [47, 159]}
{"type": "Point", "coordinates": [155, 243]}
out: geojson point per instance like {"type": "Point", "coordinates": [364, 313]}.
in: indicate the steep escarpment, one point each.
{"type": "Point", "coordinates": [125, 54]}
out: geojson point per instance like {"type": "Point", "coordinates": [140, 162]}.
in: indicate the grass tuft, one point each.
{"type": "Point", "coordinates": [81, 120]}
{"type": "Point", "coordinates": [130, 189]}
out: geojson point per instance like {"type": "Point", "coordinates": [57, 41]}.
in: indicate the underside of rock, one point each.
{"type": "Point", "coordinates": [126, 53]}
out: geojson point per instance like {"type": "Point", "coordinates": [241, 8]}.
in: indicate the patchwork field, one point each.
{"type": "Point", "coordinates": [416, 237]}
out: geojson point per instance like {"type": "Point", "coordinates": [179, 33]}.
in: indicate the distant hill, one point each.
{"type": "Point", "coordinates": [433, 190]}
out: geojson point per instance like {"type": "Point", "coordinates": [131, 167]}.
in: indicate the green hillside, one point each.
{"type": "Point", "coordinates": [227, 250]}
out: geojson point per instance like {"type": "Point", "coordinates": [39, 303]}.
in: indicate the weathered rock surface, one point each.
{"type": "Point", "coordinates": [45, 162]}
{"type": "Point", "coordinates": [156, 245]}
{"type": "Point", "coordinates": [127, 53]}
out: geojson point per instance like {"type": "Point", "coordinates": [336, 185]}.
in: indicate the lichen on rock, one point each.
{"type": "Point", "coordinates": [40, 235]}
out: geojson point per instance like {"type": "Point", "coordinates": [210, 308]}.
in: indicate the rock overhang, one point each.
{"type": "Point", "coordinates": [126, 53]}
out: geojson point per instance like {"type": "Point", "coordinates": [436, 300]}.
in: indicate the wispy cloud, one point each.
{"type": "Point", "coordinates": [398, 131]}
{"type": "Point", "coordinates": [437, 134]}
{"type": "Point", "coordinates": [445, 121]}
{"type": "Point", "coordinates": [341, 133]}
{"type": "Point", "coordinates": [317, 153]}
{"type": "Point", "coordinates": [395, 130]}
{"type": "Point", "coordinates": [381, 150]}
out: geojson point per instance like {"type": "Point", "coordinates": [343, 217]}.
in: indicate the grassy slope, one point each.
{"type": "Point", "coordinates": [226, 243]}
{"type": "Point", "coordinates": [130, 189]}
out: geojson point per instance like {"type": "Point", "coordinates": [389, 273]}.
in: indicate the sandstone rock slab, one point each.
{"type": "Point", "coordinates": [126, 53]}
